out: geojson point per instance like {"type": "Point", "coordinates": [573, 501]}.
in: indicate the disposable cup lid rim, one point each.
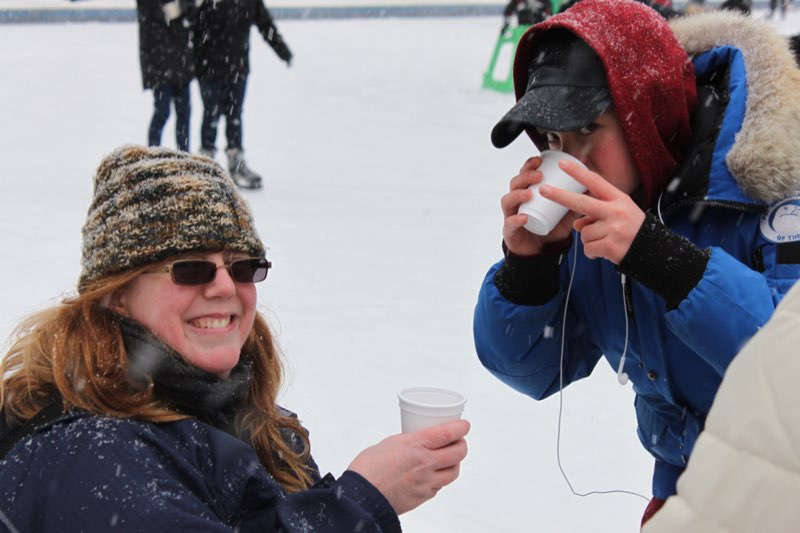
{"type": "Point", "coordinates": [457, 403]}
{"type": "Point", "coordinates": [563, 155]}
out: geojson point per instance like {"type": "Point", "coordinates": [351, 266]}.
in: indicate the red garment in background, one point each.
{"type": "Point", "coordinates": [651, 509]}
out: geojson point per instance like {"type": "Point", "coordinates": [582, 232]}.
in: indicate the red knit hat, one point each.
{"type": "Point", "coordinates": [650, 77]}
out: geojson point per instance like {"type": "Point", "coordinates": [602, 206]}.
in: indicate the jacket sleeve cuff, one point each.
{"type": "Point", "coordinates": [357, 488]}
{"type": "Point", "coordinates": [665, 262]}
{"type": "Point", "coordinates": [531, 280]}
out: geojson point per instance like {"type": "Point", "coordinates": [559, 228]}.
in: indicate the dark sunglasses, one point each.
{"type": "Point", "coordinates": [201, 271]}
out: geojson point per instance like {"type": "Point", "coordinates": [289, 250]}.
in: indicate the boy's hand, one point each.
{"type": "Point", "coordinates": [519, 240]}
{"type": "Point", "coordinates": [611, 218]}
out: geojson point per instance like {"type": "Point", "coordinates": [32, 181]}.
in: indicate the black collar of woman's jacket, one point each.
{"type": "Point", "coordinates": [186, 388]}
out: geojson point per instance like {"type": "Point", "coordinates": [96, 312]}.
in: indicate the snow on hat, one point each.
{"type": "Point", "coordinates": [566, 89]}
{"type": "Point", "coordinates": [649, 75]}
{"type": "Point", "coordinates": [153, 203]}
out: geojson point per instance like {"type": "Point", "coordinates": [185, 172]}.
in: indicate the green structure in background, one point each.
{"type": "Point", "coordinates": [498, 77]}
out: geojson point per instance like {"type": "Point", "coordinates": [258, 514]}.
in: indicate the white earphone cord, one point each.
{"type": "Point", "coordinates": [561, 385]}
{"type": "Point", "coordinates": [622, 376]}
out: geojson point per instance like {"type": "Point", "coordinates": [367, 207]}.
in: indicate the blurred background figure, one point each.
{"type": "Point", "coordinates": [743, 6]}
{"type": "Point", "coordinates": [665, 8]}
{"type": "Point", "coordinates": [498, 76]}
{"type": "Point", "coordinates": [528, 13]}
{"type": "Point", "coordinates": [222, 37]}
{"type": "Point", "coordinates": [165, 54]}
{"type": "Point", "coordinates": [794, 44]}
{"type": "Point", "coordinates": [773, 4]}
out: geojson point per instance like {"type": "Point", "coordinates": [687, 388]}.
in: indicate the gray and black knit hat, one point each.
{"type": "Point", "coordinates": [153, 203]}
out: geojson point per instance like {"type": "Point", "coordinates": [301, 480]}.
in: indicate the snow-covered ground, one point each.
{"type": "Point", "coordinates": [381, 211]}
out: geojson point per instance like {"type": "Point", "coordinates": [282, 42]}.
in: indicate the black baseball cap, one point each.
{"type": "Point", "coordinates": [566, 90]}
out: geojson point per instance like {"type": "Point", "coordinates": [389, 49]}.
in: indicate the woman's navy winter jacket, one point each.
{"type": "Point", "coordinates": [84, 472]}
{"type": "Point", "coordinates": [675, 357]}
{"type": "Point", "coordinates": [92, 473]}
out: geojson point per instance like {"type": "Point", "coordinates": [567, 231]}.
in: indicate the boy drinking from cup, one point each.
{"type": "Point", "coordinates": [682, 245]}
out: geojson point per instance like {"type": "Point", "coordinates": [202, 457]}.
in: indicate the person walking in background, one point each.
{"type": "Point", "coordinates": [167, 63]}
{"type": "Point", "coordinates": [222, 40]}
{"type": "Point", "coordinates": [773, 4]}
{"type": "Point", "coordinates": [528, 13]}
{"type": "Point", "coordinates": [147, 402]}
{"type": "Point", "coordinates": [689, 233]}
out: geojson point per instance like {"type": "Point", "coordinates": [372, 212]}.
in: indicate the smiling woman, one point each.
{"type": "Point", "coordinates": [207, 323]}
{"type": "Point", "coordinates": [159, 381]}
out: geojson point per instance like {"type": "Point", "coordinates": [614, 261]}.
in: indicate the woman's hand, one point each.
{"type": "Point", "coordinates": [519, 240]}
{"type": "Point", "coordinates": [611, 218]}
{"type": "Point", "coordinates": [409, 469]}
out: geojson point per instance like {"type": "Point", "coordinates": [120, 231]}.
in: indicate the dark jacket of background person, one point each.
{"type": "Point", "coordinates": [743, 6]}
{"type": "Point", "coordinates": [794, 44]}
{"type": "Point", "coordinates": [528, 12]}
{"type": "Point", "coordinates": [222, 37]}
{"type": "Point", "coordinates": [165, 51]}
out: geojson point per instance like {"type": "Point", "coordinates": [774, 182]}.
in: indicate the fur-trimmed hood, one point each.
{"type": "Point", "coordinates": [765, 155]}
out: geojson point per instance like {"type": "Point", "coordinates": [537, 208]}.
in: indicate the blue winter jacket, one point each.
{"type": "Point", "coordinates": [90, 473]}
{"type": "Point", "coordinates": [676, 354]}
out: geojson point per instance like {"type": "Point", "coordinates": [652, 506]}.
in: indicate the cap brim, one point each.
{"type": "Point", "coordinates": [552, 108]}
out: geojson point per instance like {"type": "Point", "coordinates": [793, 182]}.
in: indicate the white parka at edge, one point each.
{"type": "Point", "coordinates": [744, 473]}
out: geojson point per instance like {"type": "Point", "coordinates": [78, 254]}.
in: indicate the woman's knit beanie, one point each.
{"type": "Point", "coordinates": [150, 204]}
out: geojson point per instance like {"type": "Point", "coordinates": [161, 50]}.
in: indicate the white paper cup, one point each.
{"type": "Point", "coordinates": [422, 407]}
{"type": "Point", "coordinates": [544, 214]}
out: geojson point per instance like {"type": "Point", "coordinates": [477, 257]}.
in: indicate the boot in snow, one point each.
{"type": "Point", "coordinates": [208, 152]}
{"type": "Point", "coordinates": [242, 175]}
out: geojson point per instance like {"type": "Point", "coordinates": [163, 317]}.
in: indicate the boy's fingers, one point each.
{"type": "Point", "coordinates": [580, 203]}
{"type": "Point", "coordinates": [595, 183]}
